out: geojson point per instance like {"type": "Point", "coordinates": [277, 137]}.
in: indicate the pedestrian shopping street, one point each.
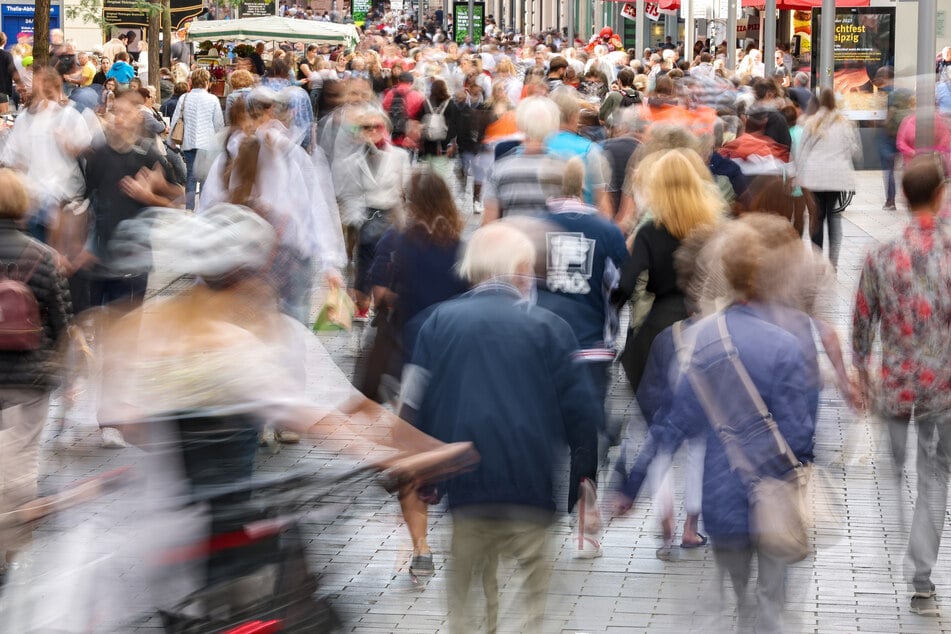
{"type": "Point", "coordinates": [854, 583]}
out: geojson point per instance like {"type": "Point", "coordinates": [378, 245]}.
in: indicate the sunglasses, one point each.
{"type": "Point", "coordinates": [372, 127]}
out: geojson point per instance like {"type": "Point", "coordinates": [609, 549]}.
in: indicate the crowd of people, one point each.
{"type": "Point", "coordinates": [659, 187]}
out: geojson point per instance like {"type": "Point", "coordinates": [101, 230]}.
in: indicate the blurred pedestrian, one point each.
{"type": "Point", "coordinates": [27, 373]}
{"type": "Point", "coordinates": [904, 297]}
{"type": "Point", "coordinates": [414, 270]}
{"type": "Point", "coordinates": [829, 149]}
{"type": "Point", "coordinates": [202, 116]}
{"type": "Point", "coordinates": [681, 196]}
{"type": "Point", "coordinates": [491, 368]}
{"type": "Point", "coordinates": [766, 413]}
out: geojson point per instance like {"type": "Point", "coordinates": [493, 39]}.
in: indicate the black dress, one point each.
{"type": "Point", "coordinates": [653, 251]}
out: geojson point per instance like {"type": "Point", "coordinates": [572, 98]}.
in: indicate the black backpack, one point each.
{"type": "Point", "coordinates": [630, 98]}
{"type": "Point", "coordinates": [399, 118]}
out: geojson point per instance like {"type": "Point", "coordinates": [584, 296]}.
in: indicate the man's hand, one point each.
{"type": "Point", "coordinates": [144, 186]}
{"type": "Point", "coordinates": [859, 391]}
{"type": "Point", "coordinates": [334, 279]}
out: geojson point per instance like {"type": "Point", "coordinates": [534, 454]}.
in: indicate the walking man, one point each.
{"type": "Point", "coordinates": [905, 296]}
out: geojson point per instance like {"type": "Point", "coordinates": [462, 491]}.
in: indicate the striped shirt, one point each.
{"type": "Point", "coordinates": [523, 183]}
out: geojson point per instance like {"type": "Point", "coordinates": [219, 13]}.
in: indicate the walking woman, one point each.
{"type": "Point", "coordinates": [830, 143]}
{"type": "Point", "coordinates": [202, 116]}
{"type": "Point", "coordinates": [680, 194]}
{"type": "Point", "coordinates": [27, 373]}
{"type": "Point", "coordinates": [415, 269]}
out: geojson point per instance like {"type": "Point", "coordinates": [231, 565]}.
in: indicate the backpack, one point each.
{"type": "Point", "coordinates": [399, 117]}
{"type": "Point", "coordinates": [21, 328]}
{"type": "Point", "coordinates": [631, 98]}
{"type": "Point", "coordinates": [434, 123]}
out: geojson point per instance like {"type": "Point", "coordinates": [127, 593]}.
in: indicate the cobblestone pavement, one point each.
{"type": "Point", "coordinates": [854, 584]}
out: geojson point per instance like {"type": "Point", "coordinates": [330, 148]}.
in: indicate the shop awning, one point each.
{"type": "Point", "coordinates": [804, 5]}
{"type": "Point", "coordinates": [275, 29]}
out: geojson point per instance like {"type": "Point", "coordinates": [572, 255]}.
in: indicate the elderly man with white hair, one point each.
{"type": "Point", "coordinates": [522, 181]}
{"type": "Point", "coordinates": [492, 368]}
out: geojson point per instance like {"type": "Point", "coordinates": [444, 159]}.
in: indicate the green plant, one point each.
{"type": "Point", "coordinates": [243, 50]}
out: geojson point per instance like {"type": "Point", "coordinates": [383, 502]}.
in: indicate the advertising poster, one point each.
{"type": "Point", "coordinates": [864, 43]}
{"type": "Point", "coordinates": [460, 21]}
{"type": "Point", "coordinates": [360, 10]}
{"type": "Point", "coordinates": [802, 31]}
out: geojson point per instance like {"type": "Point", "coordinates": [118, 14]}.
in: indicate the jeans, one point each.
{"type": "Point", "coordinates": [130, 289]}
{"type": "Point", "coordinates": [477, 545]}
{"type": "Point", "coordinates": [295, 283]}
{"type": "Point", "coordinates": [770, 584]}
{"type": "Point", "coordinates": [932, 466]}
{"type": "Point", "coordinates": [825, 214]}
{"type": "Point", "coordinates": [886, 156]}
{"type": "Point", "coordinates": [191, 183]}
{"type": "Point", "coordinates": [22, 417]}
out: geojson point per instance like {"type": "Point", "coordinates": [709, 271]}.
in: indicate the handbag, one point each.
{"type": "Point", "coordinates": [781, 519]}
{"type": "Point", "coordinates": [177, 135]}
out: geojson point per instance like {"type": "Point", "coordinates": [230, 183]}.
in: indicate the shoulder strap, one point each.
{"type": "Point", "coordinates": [741, 463]}
{"type": "Point", "coordinates": [429, 105]}
{"type": "Point", "coordinates": [753, 393]}
{"type": "Point", "coordinates": [443, 106]}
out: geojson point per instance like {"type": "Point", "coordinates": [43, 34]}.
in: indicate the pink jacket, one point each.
{"type": "Point", "coordinates": [906, 139]}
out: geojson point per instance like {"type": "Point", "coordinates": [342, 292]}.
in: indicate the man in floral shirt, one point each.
{"type": "Point", "coordinates": [905, 293]}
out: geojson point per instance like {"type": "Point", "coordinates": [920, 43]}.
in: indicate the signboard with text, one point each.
{"type": "Point", "coordinates": [460, 21]}
{"type": "Point", "coordinates": [864, 43]}
{"type": "Point", "coordinates": [18, 18]}
{"type": "Point", "coordinates": [651, 10]}
{"type": "Point", "coordinates": [133, 12]}
{"type": "Point", "coordinates": [360, 10]}
{"type": "Point", "coordinates": [257, 9]}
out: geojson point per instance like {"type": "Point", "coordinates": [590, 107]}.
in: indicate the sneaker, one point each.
{"type": "Point", "coordinates": [362, 316]}
{"type": "Point", "coordinates": [590, 548]}
{"type": "Point", "coordinates": [422, 566]}
{"type": "Point", "coordinates": [924, 603]}
{"type": "Point", "coordinates": [288, 437]}
{"type": "Point", "coordinates": [112, 439]}
{"type": "Point", "coordinates": [889, 206]}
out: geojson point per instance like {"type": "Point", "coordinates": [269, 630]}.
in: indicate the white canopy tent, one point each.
{"type": "Point", "coordinates": [275, 29]}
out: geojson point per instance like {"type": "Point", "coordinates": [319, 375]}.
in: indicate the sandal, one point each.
{"type": "Point", "coordinates": [703, 542]}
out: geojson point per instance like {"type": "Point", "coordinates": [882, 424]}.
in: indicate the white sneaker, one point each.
{"type": "Point", "coordinates": [590, 548]}
{"type": "Point", "coordinates": [112, 439]}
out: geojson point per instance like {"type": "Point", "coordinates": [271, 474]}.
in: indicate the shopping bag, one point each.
{"type": "Point", "coordinates": [336, 313]}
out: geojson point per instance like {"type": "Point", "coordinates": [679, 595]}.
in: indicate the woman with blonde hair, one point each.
{"type": "Point", "coordinates": [679, 191]}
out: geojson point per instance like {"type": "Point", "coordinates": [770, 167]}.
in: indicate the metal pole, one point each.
{"type": "Point", "coordinates": [924, 112]}
{"type": "Point", "coordinates": [689, 28]}
{"type": "Point", "coordinates": [570, 22]}
{"type": "Point", "coordinates": [419, 17]}
{"type": "Point", "coordinates": [827, 44]}
{"type": "Point", "coordinates": [769, 37]}
{"type": "Point", "coordinates": [731, 35]}
{"type": "Point", "coordinates": [639, 27]}
{"type": "Point", "coordinates": [471, 25]}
